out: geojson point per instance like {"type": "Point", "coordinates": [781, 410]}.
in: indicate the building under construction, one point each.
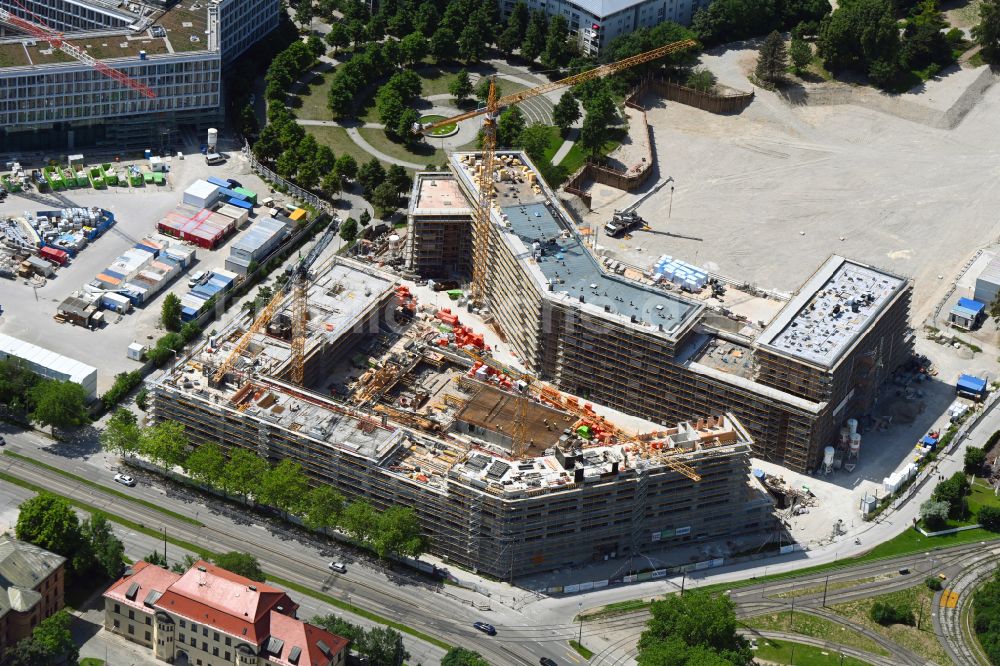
{"type": "Point", "coordinates": [506, 479]}
{"type": "Point", "coordinates": [49, 99]}
{"type": "Point", "coordinates": [649, 351]}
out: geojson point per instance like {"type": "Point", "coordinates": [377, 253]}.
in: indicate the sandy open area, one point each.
{"type": "Point", "coordinates": [765, 196]}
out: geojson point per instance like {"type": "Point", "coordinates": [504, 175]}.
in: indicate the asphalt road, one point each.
{"type": "Point", "coordinates": [286, 553]}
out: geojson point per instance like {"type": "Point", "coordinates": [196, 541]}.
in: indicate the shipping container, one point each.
{"type": "Point", "coordinates": [297, 215]}
{"type": "Point", "coordinates": [116, 302]}
{"type": "Point", "coordinates": [218, 181]}
{"type": "Point", "coordinates": [54, 255]}
{"type": "Point", "coordinates": [245, 205]}
{"type": "Point", "coordinates": [249, 195]}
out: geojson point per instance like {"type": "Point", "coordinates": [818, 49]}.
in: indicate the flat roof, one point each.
{"type": "Point", "coordinates": [74, 370]}
{"type": "Point", "coordinates": [438, 194]}
{"type": "Point", "coordinates": [551, 244]}
{"type": "Point", "coordinates": [831, 311]}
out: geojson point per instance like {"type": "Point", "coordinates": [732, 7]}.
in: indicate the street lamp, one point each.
{"type": "Point", "coordinates": [579, 611]}
{"type": "Point", "coordinates": [670, 209]}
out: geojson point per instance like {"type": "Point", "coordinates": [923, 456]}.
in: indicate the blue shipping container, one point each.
{"type": "Point", "coordinates": [245, 205]}
{"type": "Point", "coordinates": [218, 181]}
{"type": "Point", "coordinates": [232, 194]}
{"type": "Point", "coordinates": [113, 274]}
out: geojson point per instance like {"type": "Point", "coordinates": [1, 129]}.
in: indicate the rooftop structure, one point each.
{"type": "Point", "coordinates": [237, 615]}
{"type": "Point", "coordinates": [831, 311]}
{"type": "Point", "coordinates": [49, 364]}
{"type": "Point", "coordinates": [438, 193]}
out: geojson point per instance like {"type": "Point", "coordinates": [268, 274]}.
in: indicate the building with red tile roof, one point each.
{"type": "Point", "coordinates": [212, 617]}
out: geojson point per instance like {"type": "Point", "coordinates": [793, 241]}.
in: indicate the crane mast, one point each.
{"type": "Point", "coordinates": [56, 40]}
{"type": "Point", "coordinates": [481, 223]}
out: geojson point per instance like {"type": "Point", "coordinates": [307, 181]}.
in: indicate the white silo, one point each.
{"type": "Point", "coordinates": [852, 424]}
{"type": "Point", "coordinates": [828, 454]}
{"type": "Point", "coordinates": [855, 445]}
{"type": "Point", "coordinates": [213, 139]}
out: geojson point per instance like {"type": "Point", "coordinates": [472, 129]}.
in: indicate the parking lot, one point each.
{"type": "Point", "coordinates": [28, 311]}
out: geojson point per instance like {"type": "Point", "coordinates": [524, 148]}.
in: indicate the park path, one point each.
{"type": "Point", "coordinates": [566, 146]}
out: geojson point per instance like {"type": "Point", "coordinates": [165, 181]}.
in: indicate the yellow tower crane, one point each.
{"type": "Point", "coordinates": [491, 112]}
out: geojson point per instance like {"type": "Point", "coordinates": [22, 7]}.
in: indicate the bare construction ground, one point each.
{"type": "Point", "coordinates": [765, 196]}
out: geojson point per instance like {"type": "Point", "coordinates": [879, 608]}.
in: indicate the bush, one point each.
{"type": "Point", "coordinates": [886, 614]}
{"type": "Point", "coordinates": [124, 382]}
{"type": "Point", "coordinates": [974, 459]}
{"type": "Point", "coordinates": [989, 518]}
{"type": "Point", "coordinates": [933, 583]}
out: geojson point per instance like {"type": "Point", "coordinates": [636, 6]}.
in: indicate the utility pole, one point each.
{"type": "Point", "coordinates": [684, 576]}
{"type": "Point", "coordinates": [670, 209]}
{"type": "Point", "coordinates": [791, 622]}
{"type": "Point", "coordinates": [164, 545]}
{"type": "Point", "coordinates": [920, 615]}
{"type": "Point", "coordinates": [825, 586]}
{"type": "Point", "coordinates": [579, 615]}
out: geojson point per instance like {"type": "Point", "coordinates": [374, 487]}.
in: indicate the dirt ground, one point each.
{"type": "Point", "coordinates": [766, 195]}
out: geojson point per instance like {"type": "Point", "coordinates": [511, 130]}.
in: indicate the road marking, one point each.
{"type": "Point", "coordinates": [573, 656]}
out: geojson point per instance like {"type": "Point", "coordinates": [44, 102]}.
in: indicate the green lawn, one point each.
{"type": "Point", "coordinates": [785, 652]}
{"type": "Point", "coordinates": [339, 142]}
{"type": "Point", "coordinates": [444, 130]}
{"type": "Point", "coordinates": [426, 152]}
{"type": "Point", "coordinates": [920, 600]}
{"type": "Point", "coordinates": [581, 650]}
{"type": "Point", "coordinates": [815, 627]}
{"type": "Point", "coordinates": [91, 661]}
{"type": "Point", "coordinates": [313, 102]}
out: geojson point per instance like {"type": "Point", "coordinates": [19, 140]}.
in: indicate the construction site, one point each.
{"type": "Point", "coordinates": [399, 403]}
{"type": "Point", "coordinates": [793, 372]}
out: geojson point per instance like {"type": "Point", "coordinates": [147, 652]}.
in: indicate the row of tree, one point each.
{"type": "Point", "coordinates": [378, 646]}
{"type": "Point", "coordinates": [284, 486]}
{"type": "Point", "coordinates": [732, 20]}
{"type": "Point", "coordinates": [24, 396]}
{"type": "Point", "coordinates": [986, 614]}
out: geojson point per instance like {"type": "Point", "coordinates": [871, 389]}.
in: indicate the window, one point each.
{"type": "Point", "coordinates": [131, 615]}
{"type": "Point", "coordinates": [204, 632]}
{"type": "Point", "coordinates": [194, 642]}
{"type": "Point", "coordinates": [226, 657]}
{"type": "Point", "coordinates": [118, 609]}
{"type": "Point", "coordinates": [149, 637]}
{"type": "Point", "coordinates": [204, 646]}
{"type": "Point", "coordinates": [131, 630]}
{"type": "Point", "coordinates": [215, 652]}
{"type": "Point", "coordinates": [180, 637]}
{"type": "Point", "coordinates": [229, 641]}
{"type": "Point", "coordinates": [149, 620]}
{"type": "Point", "coordinates": [216, 637]}
{"type": "Point", "coordinates": [194, 627]}
{"type": "Point", "coordinates": [183, 623]}
{"type": "Point", "coordinates": [117, 624]}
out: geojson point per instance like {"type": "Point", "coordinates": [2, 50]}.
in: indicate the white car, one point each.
{"type": "Point", "coordinates": [125, 480]}
{"type": "Point", "coordinates": [338, 567]}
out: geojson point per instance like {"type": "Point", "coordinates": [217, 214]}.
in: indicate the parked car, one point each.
{"type": "Point", "coordinates": [338, 567]}
{"type": "Point", "coordinates": [904, 571]}
{"type": "Point", "coordinates": [545, 661]}
{"type": "Point", "coordinates": [485, 627]}
{"type": "Point", "coordinates": [3, 442]}
{"type": "Point", "coordinates": [197, 279]}
{"type": "Point", "coordinates": [125, 480]}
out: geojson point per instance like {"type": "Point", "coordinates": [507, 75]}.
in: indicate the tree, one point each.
{"type": "Point", "coordinates": [349, 230]}
{"type": "Point", "coordinates": [458, 656]}
{"type": "Point", "coordinates": [597, 124]}
{"type": "Point", "coordinates": [934, 513]}
{"type": "Point", "coordinates": [924, 44]}
{"type": "Point", "coordinates": [59, 404]}
{"type": "Point", "coordinates": [404, 127]}
{"type": "Point", "coordinates": [953, 490]}
{"type": "Point", "coordinates": [509, 41]}
{"type": "Point", "coordinates": [886, 614]}
{"type": "Point", "coordinates": [382, 646]}
{"type": "Point", "coordinates": [284, 486]}
{"type": "Point", "coordinates": [331, 184]}
{"type": "Point", "coordinates": [347, 167]}
{"type": "Point", "coordinates": [482, 89]}
{"type": "Point", "coordinates": [340, 627]}
{"type": "Point", "coordinates": [557, 47]}
{"type": "Point", "coordinates": [414, 47]}
{"type": "Point", "coordinates": [389, 105]}
{"type": "Point", "coordinates": [399, 178]}
{"type": "Point", "coordinates": [105, 549]}
{"type": "Point", "coordinates": [365, 218]}
{"type": "Point", "coordinates": [510, 126]}
{"type": "Point", "coordinates": [385, 198]}
{"type": "Point", "coordinates": [339, 36]}
{"type": "Point", "coordinates": [359, 520]}
{"type": "Point", "coordinates": [800, 54]}
{"type": "Point", "coordinates": [121, 435]}
{"type": "Point", "coordinates": [566, 112]}
{"type": "Point", "coordinates": [206, 464]}
{"type": "Point", "coordinates": [49, 522]}
{"type": "Point", "coordinates": [697, 620]}
{"type": "Point", "coordinates": [474, 38]}
{"type": "Point", "coordinates": [426, 20]}
{"type": "Point", "coordinates": [701, 79]}
{"type": "Point", "coordinates": [51, 642]}
{"type": "Point", "coordinates": [371, 175]}
{"type": "Point", "coordinates": [241, 564]}
{"type": "Point", "coordinates": [165, 444]}
{"type": "Point", "coordinates": [322, 507]}
{"type": "Point", "coordinates": [987, 31]}
{"type": "Point", "coordinates": [244, 473]}
{"type": "Point", "coordinates": [460, 87]}
{"type": "Point", "coordinates": [534, 36]}
{"type": "Point", "coordinates": [861, 35]}
{"type": "Point", "coordinates": [16, 379]}
{"type": "Point", "coordinates": [975, 458]}
{"type": "Point", "coordinates": [170, 313]}
{"type": "Point", "coordinates": [534, 139]}
{"type": "Point", "coordinates": [772, 59]}
{"type": "Point", "coordinates": [443, 44]}
{"type": "Point", "coordinates": [398, 533]}
{"type": "Point", "coordinates": [989, 518]}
